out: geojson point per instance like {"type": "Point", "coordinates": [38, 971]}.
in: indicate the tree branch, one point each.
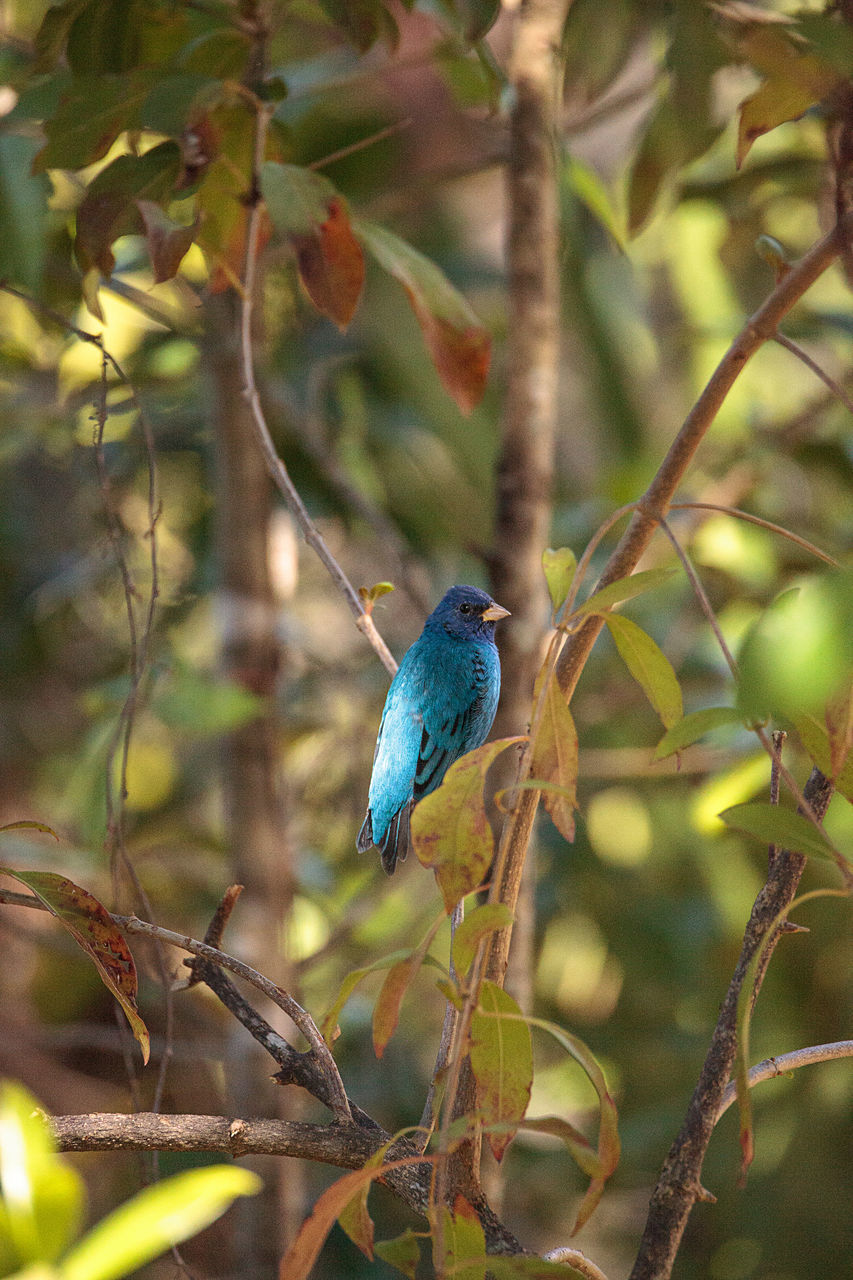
{"type": "Point", "coordinates": [771, 1068]}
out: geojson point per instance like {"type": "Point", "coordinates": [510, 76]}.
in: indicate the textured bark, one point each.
{"type": "Point", "coordinates": [526, 464]}
{"type": "Point", "coordinates": [255, 816]}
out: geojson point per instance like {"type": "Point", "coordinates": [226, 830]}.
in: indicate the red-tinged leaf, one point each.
{"type": "Point", "coordinates": [331, 265]}
{"type": "Point", "coordinates": [772, 824]}
{"type": "Point", "coordinates": [624, 589]}
{"type": "Point", "coordinates": [554, 755]}
{"type": "Point", "coordinates": [483, 920]}
{"type": "Point", "coordinates": [839, 724]}
{"type": "Point", "coordinates": [89, 287]}
{"type": "Point", "coordinates": [502, 1063]}
{"type": "Point", "coordinates": [168, 242]}
{"type": "Point", "coordinates": [464, 1243]}
{"type": "Point", "coordinates": [450, 830]}
{"type": "Point", "coordinates": [816, 742]}
{"type": "Point", "coordinates": [460, 348]}
{"type": "Point", "coordinates": [305, 207]}
{"type": "Point", "coordinates": [303, 1253]}
{"type": "Point", "coordinates": [590, 1202]}
{"type": "Point", "coordinates": [92, 928]}
{"type": "Point", "coordinates": [559, 567]}
{"type": "Point", "coordinates": [403, 1252]}
{"type": "Point", "coordinates": [691, 727]}
{"type": "Point", "coordinates": [386, 1012]}
{"type": "Point", "coordinates": [649, 666]}
{"type": "Point", "coordinates": [91, 115]}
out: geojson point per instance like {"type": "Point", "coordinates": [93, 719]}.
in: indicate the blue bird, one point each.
{"type": "Point", "coordinates": [441, 703]}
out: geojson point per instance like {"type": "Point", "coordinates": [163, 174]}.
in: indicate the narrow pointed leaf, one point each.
{"type": "Point", "coordinates": [329, 1023]}
{"type": "Point", "coordinates": [92, 928]}
{"type": "Point", "coordinates": [168, 242]}
{"type": "Point", "coordinates": [775, 825]}
{"type": "Point", "coordinates": [580, 1148]}
{"type": "Point", "coordinates": [450, 830]}
{"type": "Point", "coordinates": [625, 589]}
{"type": "Point", "coordinates": [27, 825]}
{"type": "Point", "coordinates": [692, 727]}
{"type": "Point", "coordinates": [459, 346]}
{"type": "Point", "coordinates": [554, 757]}
{"type": "Point", "coordinates": [815, 739]}
{"type": "Point", "coordinates": [649, 666]}
{"type": "Point", "coordinates": [355, 1220]}
{"type": "Point", "coordinates": [502, 1063]}
{"type": "Point", "coordinates": [156, 1219]}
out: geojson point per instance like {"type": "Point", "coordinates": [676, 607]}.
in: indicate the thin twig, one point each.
{"type": "Point", "coordinates": [277, 470]}
{"type": "Point", "coordinates": [770, 1068]}
{"type": "Point", "coordinates": [762, 524]}
{"type": "Point", "coordinates": [796, 350]}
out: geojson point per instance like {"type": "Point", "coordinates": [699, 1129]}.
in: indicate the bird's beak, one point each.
{"type": "Point", "coordinates": [495, 612]}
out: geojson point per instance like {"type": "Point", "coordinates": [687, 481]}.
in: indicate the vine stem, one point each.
{"type": "Point", "coordinates": [275, 466]}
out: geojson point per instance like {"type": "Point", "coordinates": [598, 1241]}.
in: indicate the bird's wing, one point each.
{"type": "Point", "coordinates": [458, 718]}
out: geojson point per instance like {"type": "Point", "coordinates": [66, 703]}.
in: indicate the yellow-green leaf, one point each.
{"type": "Point", "coordinates": [502, 1063]}
{"type": "Point", "coordinates": [483, 920]}
{"type": "Point", "coordinates": [620, 591]}
{"type": "Point", "coordinates": [649, 666]}
{"type": "Point", "coordinates": [450, 830]}
{"type": "Point", "coordinates": [775, 825]}
{"type": "Point", "coordinates": [691, 727]}
{"type": "Point", "coordinates": [559, 566]}
{"type": "Point", "coordinates": [464, 1243]}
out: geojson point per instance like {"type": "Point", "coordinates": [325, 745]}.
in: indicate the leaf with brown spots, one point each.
{"type": "Point", "coordinates": [92, 928]}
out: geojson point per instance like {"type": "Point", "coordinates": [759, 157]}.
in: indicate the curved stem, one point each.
{"type": "Point", "coordinates": [770, 1068]}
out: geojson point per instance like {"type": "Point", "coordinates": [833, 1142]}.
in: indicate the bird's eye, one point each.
{"type": "Point", "coordinates": [465, 607]}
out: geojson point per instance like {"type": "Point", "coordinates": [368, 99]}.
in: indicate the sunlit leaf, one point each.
{"type": "Point", "coordinates": [458, 344]}
{"type": "Point", "coordinates": [554, 755]}
{"type": "Point", "coordinates": [91, 927]}
{"type": "Point", "coordinates": [483, 920]}
{"type": "Point", "coordinates": [693, 726]}
{"type": "Point", "coordinates": [43, 1197]}
{"type": "Point", "coordinates": [782, 827]}
{"type": "Point", "coordinates": [28, 825]}
{"type": "Point", "coordinates": [356, 1221]}
{"type": "Point", "coordinates": [559, 566]}
{"type": "Point", "coordinates": [502, 1062]}
{"type": "Point", "coordinates": [649, 666]}
{"type": "Point", "coordinates": [624, 589]}
{"type": "Point", "coordinates": [450, 830]}
{"type": "Point", "coordinates": [109, 209]}
{"type": "Point", "coordinates": [839, 725]}
{"type": "Point", "coordinates": [796, 80]}
{"type": "Point", "coordinates": [155, 1220]}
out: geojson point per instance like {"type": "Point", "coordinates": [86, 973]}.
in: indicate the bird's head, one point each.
{"type": "Point", "coordinates": [467, 613]}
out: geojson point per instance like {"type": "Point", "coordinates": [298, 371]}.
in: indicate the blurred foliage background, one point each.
{"type": "Point", "coordinates": [639, 922]}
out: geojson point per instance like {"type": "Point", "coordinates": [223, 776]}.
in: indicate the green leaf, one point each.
{"type": "Point", "coordinates": [52, 36]}
{"type": "Point", "coordinates": [403, 1252]}
{"type": "Point", "coordinates": [624, 589]}
{"type": "Point", "coordinates": [329, 1022]}
{"type": "Point", "coordinates": [782, 827]}
{"type": "Point", "coordinates": [156, 1219]}
{"type": "Point", "coordinates": [502, 1063]}
{"type": "Point", "coordinates": [91, 115]}
{"type": "Point", "coordinates": [483, 920]}
{"type": "Point", "coordinates": [23, 210]}
{"type": "Point", "coordinates": [554, 754]}
{"type": "Point", "coordinates": [196, 702]}
{"type": "Point", "coordinates": [588, 187]}
{"type": "Point", "coordinates": [691, 727]}
{"type": "Point", "coordinates": [815, 739]}
{"type": "Point", "coordinates": [459, 346]}
{"type": "Point", "coordinates": [559, 567]}
{"type": "Point", "coordinates": [450, 830]}
{"type": "Point", "coordinates": [580, 1148]}
{"type": "Point", "coordinates": [464, 1242]}
{"type": "Point", "coordinates": [649, 666]}
{"type": "Point", "coordinates": [43, 1197]}
{"type": "Point", "coordinates": [92, 928]}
